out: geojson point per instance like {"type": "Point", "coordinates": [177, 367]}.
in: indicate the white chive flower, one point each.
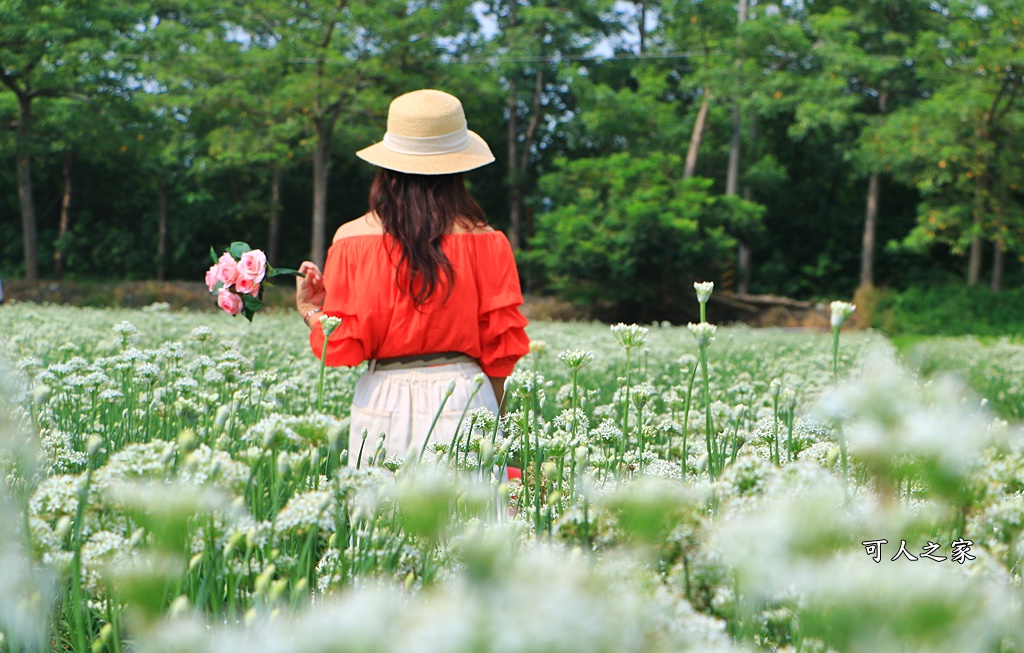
{"type": "Point", "coordinates": [841, 311]}
{"type": "Point", "coordinates": [576, 359]}
{"type": "Point", "coordinates": [329, 324]}
{"type": "Point", "coordinates": [629, 335]}
{"type": "Point", "coordinates": [703, 333]}
{"type": "Point", "coordinates": [703, 289]}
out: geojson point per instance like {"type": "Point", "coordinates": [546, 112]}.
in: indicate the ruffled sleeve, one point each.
{"type": "Point", "coordinates": [342, 349]}
{"type": "Point", "coordinates": [503, 339]}
{"type": "Point", "coordinates": [349, 345]}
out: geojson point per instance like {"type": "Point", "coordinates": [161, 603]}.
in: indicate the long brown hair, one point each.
{"type": "Point", "coordinates": [417, 211]}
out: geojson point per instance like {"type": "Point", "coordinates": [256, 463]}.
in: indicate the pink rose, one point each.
{"type": "Point", "coordinates": [229, 301]}
{"type": "Point", "coordinates": [253, 265]}
{"type": "Point", "coordinates": [227, 270]}
{"type": "Point", "coordinates": [246, 286]}
{"type": "Point", "coordinates": [211, 277]}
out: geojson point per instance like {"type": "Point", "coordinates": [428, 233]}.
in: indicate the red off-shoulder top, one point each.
{"type": "Point", "coordinates": [480, 318]}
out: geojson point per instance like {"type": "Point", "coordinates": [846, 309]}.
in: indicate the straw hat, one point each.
{"type": "Point", "coordinates": [427, 135]}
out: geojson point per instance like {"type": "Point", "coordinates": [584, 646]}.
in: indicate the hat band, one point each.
{"type": "Point", "coordinates": [426, 145]}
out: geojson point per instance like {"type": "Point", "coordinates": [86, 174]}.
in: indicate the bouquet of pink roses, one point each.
{"type": "Point", "coordinates": [237, 278]}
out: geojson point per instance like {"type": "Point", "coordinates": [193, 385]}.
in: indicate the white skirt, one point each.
{"type": "Point", "coordinates": [402, 404]}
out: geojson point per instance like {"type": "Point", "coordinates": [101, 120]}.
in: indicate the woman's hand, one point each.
{"type": "Point", "coordinates": [309, 290]}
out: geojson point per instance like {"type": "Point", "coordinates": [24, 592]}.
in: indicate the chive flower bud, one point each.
{"type": "Point", "coordinates": [329, 324]}
{"type": "Point", "coordinates": [841, 311]}
{"type": "Point", "coordinates": [703, 289]}
{"type": "Point", "coordinates": [629, 335]}
{"type": "Point", "coordinates": [703, 333]}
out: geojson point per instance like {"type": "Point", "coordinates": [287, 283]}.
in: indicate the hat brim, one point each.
{"type": "Point", "coordinates": [475, 155]}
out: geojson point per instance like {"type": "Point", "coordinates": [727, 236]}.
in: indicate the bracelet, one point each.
{"type": "Point", "coordinates": [311, 313]}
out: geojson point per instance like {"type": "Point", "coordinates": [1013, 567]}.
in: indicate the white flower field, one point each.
{"type": "Point", "coordinates": [170, 485]}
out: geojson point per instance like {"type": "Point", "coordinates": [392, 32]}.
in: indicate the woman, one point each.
{"type": "Point", "coordinates": [425, 289]}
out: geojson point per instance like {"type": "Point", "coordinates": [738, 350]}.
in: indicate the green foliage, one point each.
{"type": "Point", "coordinates": [216, 103]}
{"type": "Point", "coordinates": [950, 309]}
{"type": "Point", "coordinates": [960, 146]}
{"type": "Point", "coordinates": [994, 368]}
{"type": "Point", "coordinates": [628, 229]}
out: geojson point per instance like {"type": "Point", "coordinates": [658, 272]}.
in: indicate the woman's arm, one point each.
{"type": "Point", "coordinates": [498, 385]}
{"type": "Point", "coordinates": [309, 292]}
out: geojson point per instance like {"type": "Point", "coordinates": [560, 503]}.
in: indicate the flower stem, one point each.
{"type": "Point", "coordinates": [575, 400]}
{"type": "Point", "coordinates": [835, 354]}
{"type": "Point", "coordinates": [789, 436]}
{"type": "Point", "coordinates": [462, 417]}
{"type": "Point", "coordinates": [775, 429]}
{"type": "Point", "coordinates": [843, 461]}
{"type": "Point", "coordinates": [712, 462]}
{"type": "Point", "coordinates": [537, 476]}
{"type": "Point", "coordinates": [362, 444]}
{"type": "Point", "coordinates": [77, 600]}
{"type": "Point", "coordinates": [433, 424]}
{"type": "Point", "coordinates": [686, 417]}
{"type": "Point", "coordinates": [323, 370]}
{"type": "Point", "coordinates": [625, 410]}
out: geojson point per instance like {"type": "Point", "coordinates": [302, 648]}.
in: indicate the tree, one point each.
{"type": "Point", "coordinates": [630, 230]}
{"type": "Point", "coordinates": [959, 147]}
{"type": "Point", "coordinates": [536, 41]}
{"type": "Point", "coordinates": [738, 48]}
{"type": "Point", "coordinates": [254, 127]}
{"type": "Point", "coordinates": [73, 131]}
{"type": "Point", "coordinates": [863, 70]}
{"type": "Point", "coordinates": [348, 59]}
{"type": "Point", "coordinates": [53, 49]}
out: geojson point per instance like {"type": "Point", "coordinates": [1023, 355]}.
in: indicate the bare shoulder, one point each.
{"type": "Point", "coordinates": [467, 227]}
{"type": "Point", "coordinates": [367, 225]}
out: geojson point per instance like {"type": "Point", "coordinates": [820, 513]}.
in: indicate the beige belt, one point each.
{"type": "Point", "coordinates": [420, 360]}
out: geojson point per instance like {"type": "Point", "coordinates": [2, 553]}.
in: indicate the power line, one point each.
{"type": "Point", "coordinates": [582, 57]}
{"type": "Point", "coordinates": [337, 61]}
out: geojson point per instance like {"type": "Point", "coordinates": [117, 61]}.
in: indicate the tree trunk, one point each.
{"type": "Point", "coordinates": [731, 184]}
{"type": "Point", "coordinates": [30, 239]}
{"type": "Point", "coordinates": [642, 26]}
{"type": "Point", "coordinates": [515, 190]}
{"type": "Point", "coordinates": [978, 210]}
{"type": "Point", "coordinates": [274, 235]}
{"type": "Point", "coordinates": [519, 159]}
{"type": "Point", "coordinates": [733, 173]}
{"type": "Point", "coordinates": [867, 249]}
{"type": "Point", "coordinates": [515, 214]}
{"type": "Point", "coordinates": [524, 153]}
{"type": "Point", "coordinates": [696, 136]}
{"type": "Point", "coordinates": [515, 197]}
{"type": "Point", "coordinates": [974, 262]}
{"type": "Point", "coordinates": [743, 258]}
{"type": "Point", "coordinates": [321, 170]}
{"type": "Point", "coordinates": [997, 265]}
{"type": "Point", "coordinates": [68, 173]}
{"type": "Point", "coordinates": [161, 245]}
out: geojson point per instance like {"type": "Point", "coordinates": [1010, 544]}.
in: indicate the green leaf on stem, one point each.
{"type": "Point", "coordinates": [276, 272]}
{"type": "Point", "coordinates": [251, 303]}
{"type": "Point", "coordinates": [238, 248]}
